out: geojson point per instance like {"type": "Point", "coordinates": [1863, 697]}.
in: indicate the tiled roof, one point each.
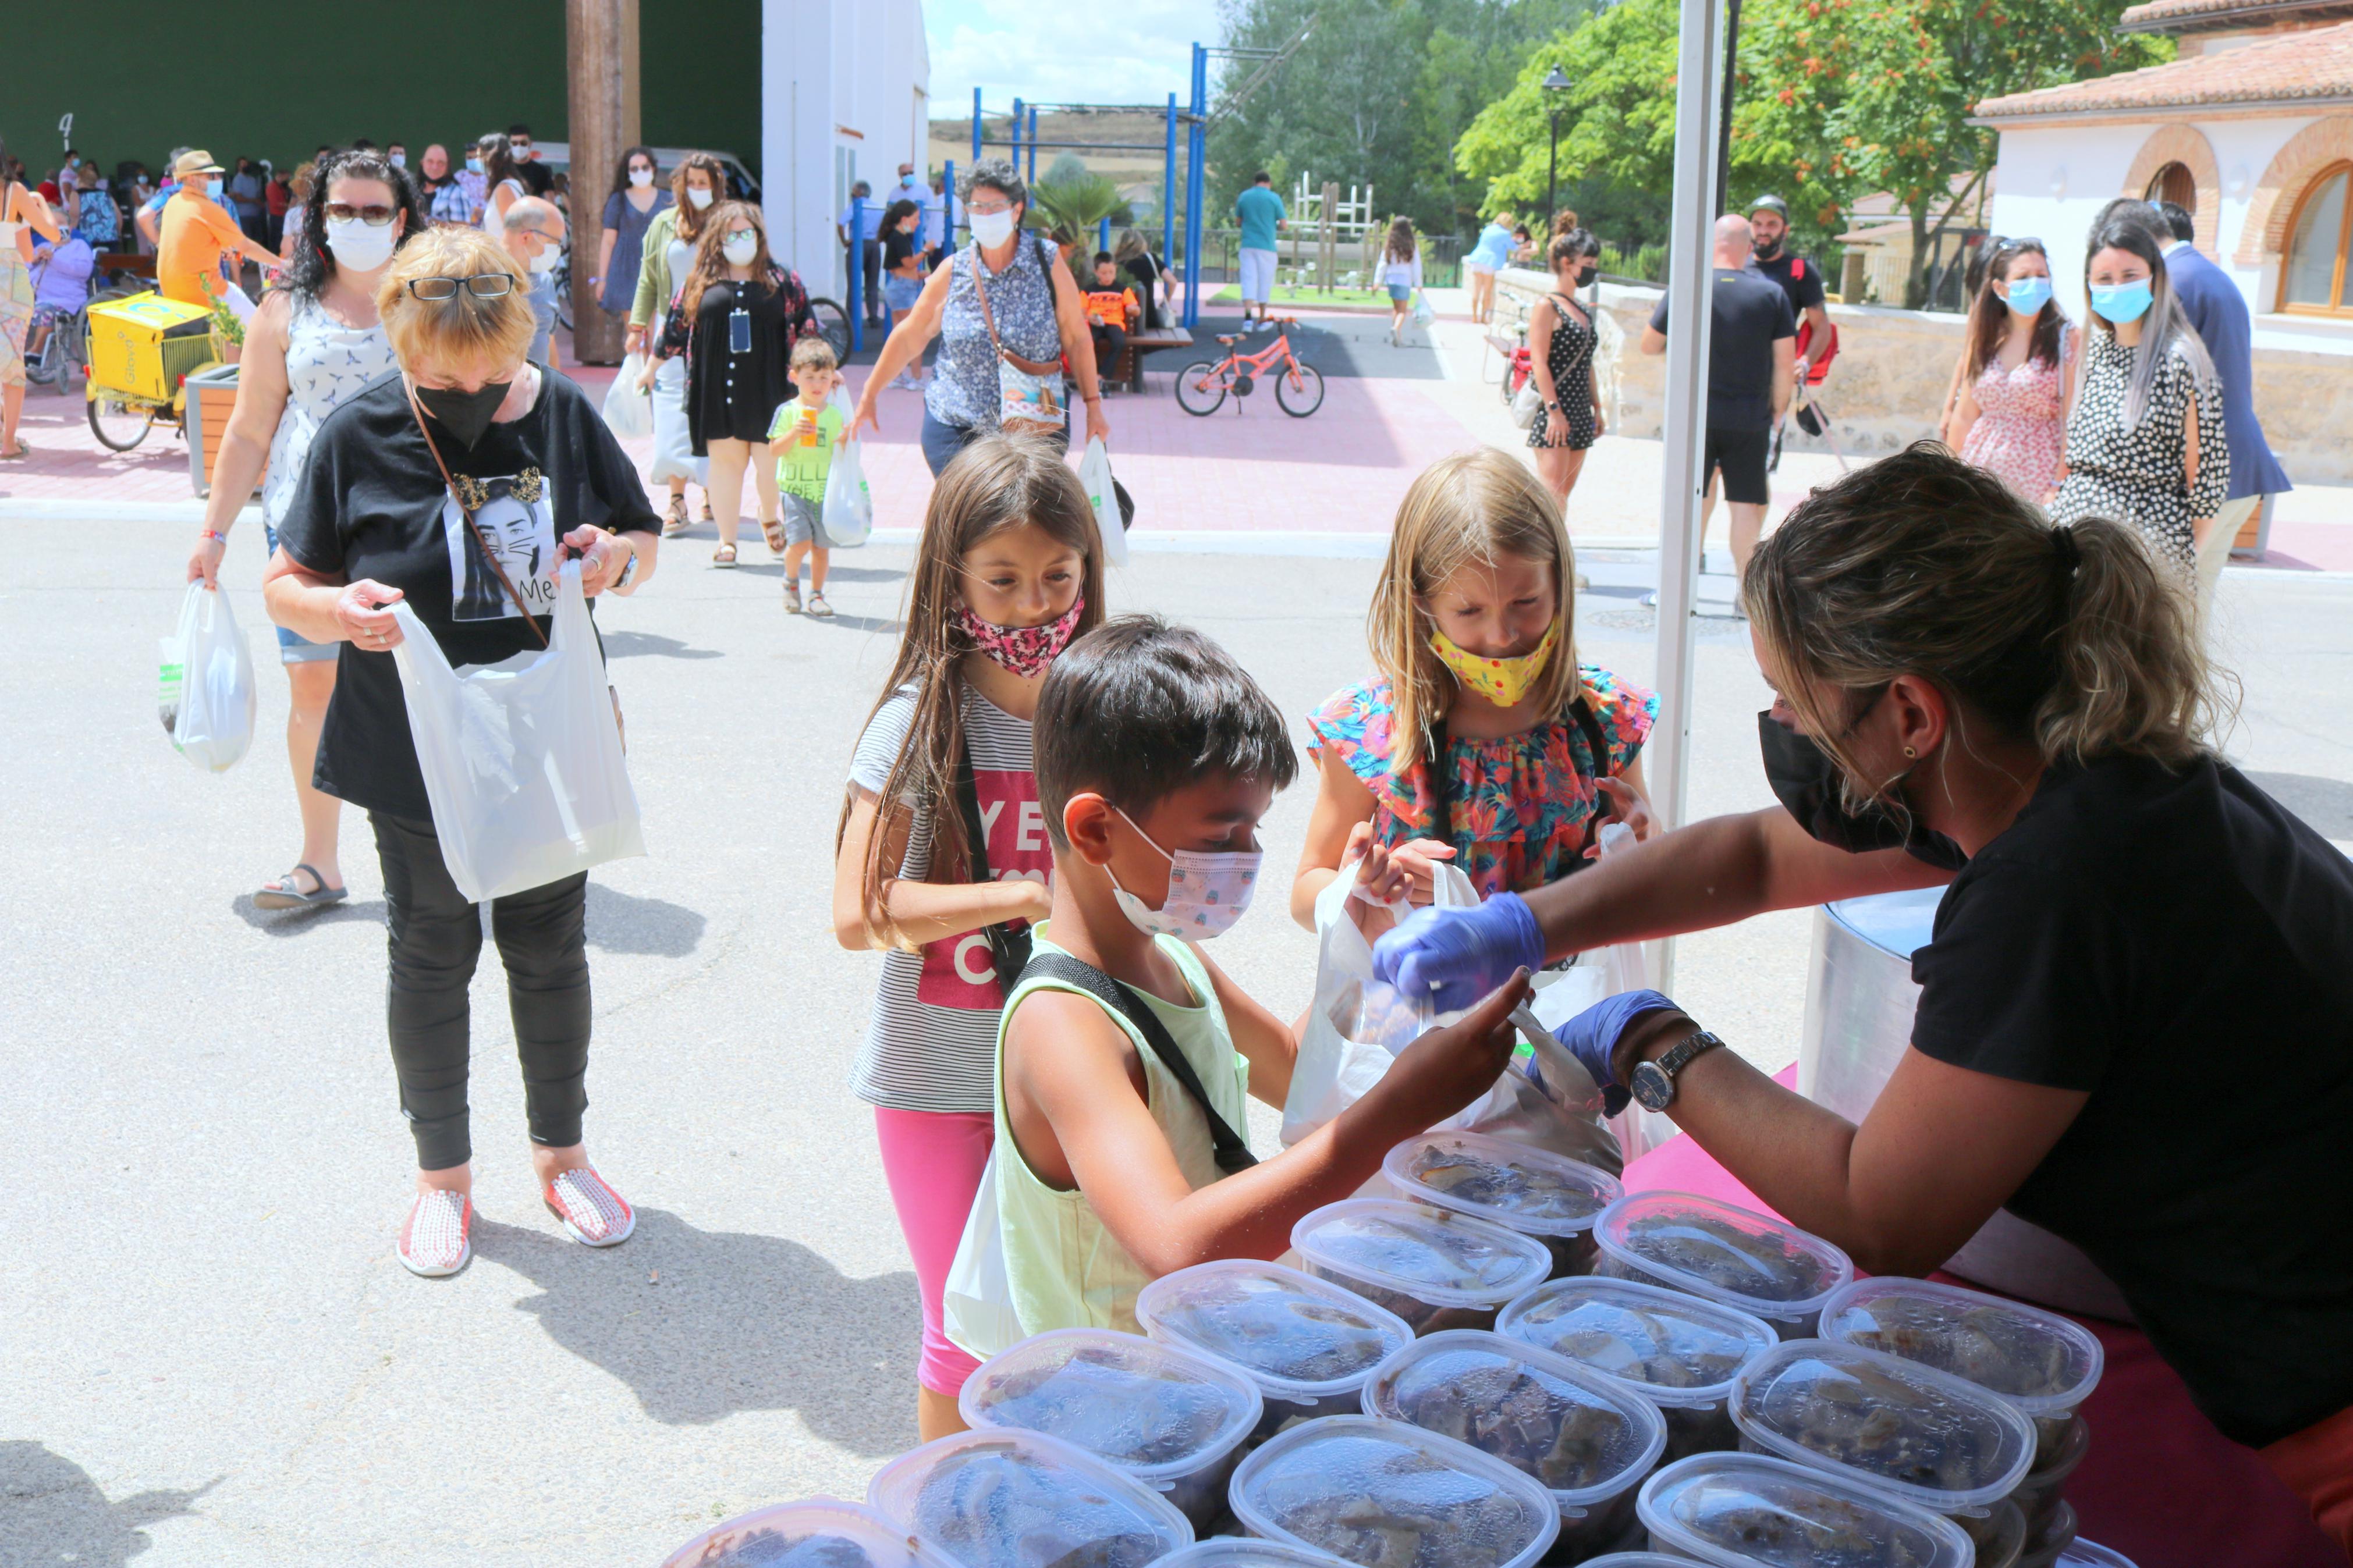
{"type": "Point", "coordinates": [2316, 64]}
{"type": "Point", "coordinates": [2199, 15]}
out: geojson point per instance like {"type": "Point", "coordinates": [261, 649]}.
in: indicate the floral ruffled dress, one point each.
{"type": "Point", "coordinates": [1521, 808]}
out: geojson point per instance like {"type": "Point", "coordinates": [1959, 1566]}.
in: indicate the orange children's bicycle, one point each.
{"type": "Point", "coordinates": [1202, 386]}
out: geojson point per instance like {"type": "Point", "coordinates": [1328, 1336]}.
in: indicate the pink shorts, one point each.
{"type": "Point", "coordinates": [933, 1160]}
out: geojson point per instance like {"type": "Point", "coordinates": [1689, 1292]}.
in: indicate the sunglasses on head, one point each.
{"type": "Point", "coordinates": [481, 286]}
{"type": "Point", "coordinates": [375, 214]}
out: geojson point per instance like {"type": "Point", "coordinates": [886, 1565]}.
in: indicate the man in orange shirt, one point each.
{"type": "Point", "coordinates": [196, 231]}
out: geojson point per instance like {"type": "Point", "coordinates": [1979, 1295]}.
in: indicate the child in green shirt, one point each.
{"type": "Point", "coordinates": [802, 435]}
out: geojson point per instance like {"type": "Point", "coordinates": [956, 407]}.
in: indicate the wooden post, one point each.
{"type": "Point", "coordinates": [601, 37]}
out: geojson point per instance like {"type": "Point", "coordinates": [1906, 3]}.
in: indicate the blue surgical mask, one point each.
{"type": "Point", "coordinates": [473, 165]}
{"type": "Point", "coordinates": [2123, 302]}
{"type": "Point", "coordinates": [2029, 295]}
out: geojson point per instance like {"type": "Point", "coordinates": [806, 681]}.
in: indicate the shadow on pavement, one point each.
{"type": "Point", "coordinates": [701, 1324]}
{"type": "Point", "coordinates": [52, 1512]}
{"type": "Point", "coordinates": [2326, 805]}
{"type": "Point", "coordinates": [294, 922]}
{"type": "Point", "coordinates": [638, 644]}
{"type": "Point", "coordinates": [860, 623]}
{"type": "Point", "coordinates": [622, 923]}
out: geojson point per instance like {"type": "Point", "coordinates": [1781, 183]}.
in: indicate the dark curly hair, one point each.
{"type": "Point", "coordinates": [314, 263]}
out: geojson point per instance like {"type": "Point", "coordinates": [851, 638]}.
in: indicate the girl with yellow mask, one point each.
{"type": "Point", "coordinates": [1479, 739]}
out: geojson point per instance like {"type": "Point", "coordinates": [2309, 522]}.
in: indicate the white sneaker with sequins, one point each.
{"type": "Point", "coordinates": [594, 1215]}
{"type": "Point", "coordinates": [439, 1237]}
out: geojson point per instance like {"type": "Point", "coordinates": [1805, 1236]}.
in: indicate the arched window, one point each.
{"type": "Point", "coordinates": [2316, 246]}
{"type": "Point", "coordinates": [2173, 183]}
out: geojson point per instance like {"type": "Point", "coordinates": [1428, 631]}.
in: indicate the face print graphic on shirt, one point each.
{"type": "Point", "coordinates": [513, 516]}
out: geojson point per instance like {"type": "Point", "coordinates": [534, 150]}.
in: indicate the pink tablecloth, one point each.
{"type": "Point", "coordinates": [2158, 1484]}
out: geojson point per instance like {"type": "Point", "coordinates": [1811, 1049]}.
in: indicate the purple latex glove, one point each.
{"type": "Point", "coordinates": [1455, 956]}
{"type": "Point", "coordinates": [1593, 1034]}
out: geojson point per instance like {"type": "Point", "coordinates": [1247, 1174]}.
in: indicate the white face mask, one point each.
{"type": "Point", "coordinates": [700, 195]}
{"type": "Point", "coordinates": [360, 246]}
{"type": "Point", "coordinates": [641, 178]}
{"type": "Point", "coordinates": [992, 229]}
{"type": "Point", "coordinates": [739, 252]}
{"type": "Point", "coordinates": [400, 160]}
{"type": "Point", "coordinates": [1206, 892]}
{"type": "Point", "coordinates": [549, 255]}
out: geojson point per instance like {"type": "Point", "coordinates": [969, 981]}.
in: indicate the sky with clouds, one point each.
{"type": "Point", "coordinates": [1136, 52]}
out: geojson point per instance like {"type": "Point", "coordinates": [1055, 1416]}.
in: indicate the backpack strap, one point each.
{"type": "Point", "coordinates": [1232, 1153]}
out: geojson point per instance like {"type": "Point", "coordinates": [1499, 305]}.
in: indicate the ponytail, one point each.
{"type": "Point", "coordinates": [1923, 564]}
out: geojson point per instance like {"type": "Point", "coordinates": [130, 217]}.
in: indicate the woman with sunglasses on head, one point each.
{"type": "Point", "coordinates": [462, 487]}
{"type": "Point", "coordinates": [667, 256]}
{"type": "Point", "coordinates": [2145, 442]}
{"type": "Point", "coordinates": [2016, 378]}
{"type": "Point", "coordinates": [315, 342]}
{"type": "Point", "coordinates": [737, 318]}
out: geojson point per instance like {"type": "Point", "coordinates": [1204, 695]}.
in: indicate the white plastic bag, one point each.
{"type": "Point", "coordinates": [1424, 312]}
{"type": "Point", "coordinates": [1095, 473]}
{"type": "Point", "coordinates": [1602, 973]}
{"type": "Point", "coordinates": [522, 758]}
{"type": "Point", "coordinates": [977, 1301]}
{"type": "Point", "coordinates": [1525, 402]}
{"type": "Point", "coordinates": [207, 693]}
{"type": "Point", "coordinates": [629, 413]}
{"type": "Point", "coordinates": [847, 515]}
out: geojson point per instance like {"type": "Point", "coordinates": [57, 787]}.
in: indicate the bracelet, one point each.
{"type": "Point", "coordinates": [214, 533]}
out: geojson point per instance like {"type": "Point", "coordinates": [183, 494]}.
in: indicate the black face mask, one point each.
{"type": "Point", "coordinates": [465, 415]}
{"type": "Point", "coordinates": [1586, 275]}
{"type": "Point", "coordinates": [1768, 250]}
{"type": "Point", "coordinates": [1805, 780]}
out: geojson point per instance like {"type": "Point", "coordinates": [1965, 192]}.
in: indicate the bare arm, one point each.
{"type": "Point", "coordinates": [27, 205]}
{"type": "Point", "coordinates": [1942, 1148]}
{"type": "Point", "coordinates": [1264, 1040]}
{"type": "Point", "coordinates": [1963, 417]}
{"type": "Point", "coordinates": [923, 912]}
{"type": "Point", "coordinates": [1064, 1056]}
{"type": "Point", "coordinates": [1819, 318]}
{"type": "Point", "coordinates": [903, 347]}
{"type": "Point", "coordinates": [252, 426]}
{"type": "Point", "coordinates": [1711, 874]}
{"type": "Point", "coordinates": [1079, 344]}
{"type": "Point", "coordinates": [605, 257]}
{"type": "Point", "coordinates": [1542, 321]}
{"type": "Point", "coordinates": [1654, 341]}
{"type": "Point", "coordinates": [1785, 374]}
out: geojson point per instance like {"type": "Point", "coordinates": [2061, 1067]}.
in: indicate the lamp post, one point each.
{"type": "Point", "coordinates": [1556, 84]}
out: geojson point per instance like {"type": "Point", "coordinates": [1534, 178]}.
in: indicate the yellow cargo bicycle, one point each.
{"type": "Point", "coordinates": [143, 349]}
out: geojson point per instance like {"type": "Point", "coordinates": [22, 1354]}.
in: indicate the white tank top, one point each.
{"type": "Point", "coordinates": [326, 364]}
{"type": "Point", "coordinates": [494, 223]}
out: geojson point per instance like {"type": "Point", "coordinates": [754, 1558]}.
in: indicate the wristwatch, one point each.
{"type": "Point", "coordinates": [1654, 1081]}
{"type": "Point", "coordinates": [629, 573]}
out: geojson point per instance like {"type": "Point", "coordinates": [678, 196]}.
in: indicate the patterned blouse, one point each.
{"type": "Point", "coordinates": [1521, 806]}
{"type": "Point", "coordinates": [963, 391]}
{"type": "Point", "coordinates": [2140, 475]}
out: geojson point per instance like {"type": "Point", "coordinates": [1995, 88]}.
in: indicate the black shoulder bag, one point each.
{"type": "Point", "coordinates": [1232, 1152]}
{"type": "Point", "coordinates": [1443, 814]}
{"type": "Point", "coordinates": [1009, 948]}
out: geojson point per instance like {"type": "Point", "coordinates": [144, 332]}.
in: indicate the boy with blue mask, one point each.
{"type": "Point", "coordinates": [1125, 1055]}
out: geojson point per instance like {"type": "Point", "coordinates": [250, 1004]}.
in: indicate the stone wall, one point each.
{"type": "Point", "coordinates": [1894, 367]}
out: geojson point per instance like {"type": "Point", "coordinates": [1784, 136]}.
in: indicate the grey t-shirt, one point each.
{"type": "Point", "coordinates": [933, 1042]}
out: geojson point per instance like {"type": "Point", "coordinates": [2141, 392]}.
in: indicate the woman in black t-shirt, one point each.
{"type": "Point", "coordinates": [2135, 936]}
{"type": "Point", "coordinates": [373, 523]}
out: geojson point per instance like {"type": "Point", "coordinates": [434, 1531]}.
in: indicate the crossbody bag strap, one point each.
{"type": "Point", "coordinates": [1231, 1151]}
{"type": "Point", "coordinates": [471, 526]}
{"type": "Point", "coordinates": [1008, 950]}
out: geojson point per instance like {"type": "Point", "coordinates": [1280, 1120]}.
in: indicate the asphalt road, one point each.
{"type": "Point", "coordinates": [211, 1355]}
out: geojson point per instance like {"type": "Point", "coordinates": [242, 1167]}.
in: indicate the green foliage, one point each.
{"type": "Point", "coordinates": [1377, 95]}
{"type": "Point", "coordinates": [1070, 207]}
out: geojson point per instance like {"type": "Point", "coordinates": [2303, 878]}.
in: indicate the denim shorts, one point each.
{"type": "Point", "coordinates": [293, 647]}
{"type": "Point", "coordinates": [1400, 292]}
{"type": "Point", "coordinates": [900, 293]}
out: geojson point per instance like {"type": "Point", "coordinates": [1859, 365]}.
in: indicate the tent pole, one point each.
{"type": "Point", "coordinates": [1169, 190]}
{"type": "Point", "coordinates": [975, 125]}
{"type": "Point", "coordinates": [1690, 296]}
{"type": "Point", "coordinates": [1193, 194]}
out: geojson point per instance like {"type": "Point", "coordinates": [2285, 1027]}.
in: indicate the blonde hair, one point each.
{"type": "Point", "coordinates": [814, 352]}
{"type": "Point", "coordinates": [2075, 637]}
{"type": "Point", "coordinates": [465, 327]}
{"type": "Point", "coordinates": [1465, 509]}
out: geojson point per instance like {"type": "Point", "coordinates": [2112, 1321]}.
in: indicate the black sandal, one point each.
{"type": "Point", "coordinates": [286, 893]}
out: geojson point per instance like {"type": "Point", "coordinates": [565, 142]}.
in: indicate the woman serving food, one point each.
{"type": "Point", "coordinates": [2132, 935]}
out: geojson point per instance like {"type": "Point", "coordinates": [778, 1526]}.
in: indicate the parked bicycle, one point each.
{"type": "Point", "coordinates": [1203, 386]}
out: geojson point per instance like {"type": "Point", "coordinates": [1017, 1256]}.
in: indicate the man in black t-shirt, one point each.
{"type": "Point", "coordinates": [1799, 278]}
{"type": "Point", "coordinates": [536, 177]}
{"type": "Point", "coordinates": [1751, 368]}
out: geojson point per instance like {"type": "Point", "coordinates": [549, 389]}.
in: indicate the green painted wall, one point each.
{"type": "Point", "coordinates": [274, 82]}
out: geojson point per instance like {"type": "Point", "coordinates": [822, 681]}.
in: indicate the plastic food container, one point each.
{"type": "Point", "coordinates": [1921, 1435]}
{"type": "Point", "coordinates": [2082, 1553]}
{"type": "Point", "coordinates": [1638, 1559]}
{"type": "Point", "coordinates": [1233, 1552]}
{"type": "Point", "coordinates": [2050, 1547]}
{"type": "Point", "coordinates": [1380, 1494]}
{"type": "Point", "coordinates": [1677, 1351]}
{"type": "Point", "coordinates": [819, 1533]}
{"type": "Point", "coordinates": [1307, 1343]}
{"type": "Point", "coordinates": [2007, 1540]}
{"type": "Point", "coordinates": [1735, 1256]}
{"type": "Point", "coordinates": [1173, 1420]}
{"type": "Point", "coordinates": [2043, 1363]}
{"type": "Point", "coordinates": [1740, 1510]}
{"type": "Point", "coordinates": [1548, 1197]}
{"type": "Point", "coordinates": [1588, 1439]}
{"type": "Point", "coordinates": [1434, 1269]}
{"type": "Point", "coordinates": [2039, 1495]}
{"type": "Point", "coordinates": [1011, 1499]}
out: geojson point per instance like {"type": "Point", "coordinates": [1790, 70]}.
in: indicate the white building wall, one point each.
{"type": "Point", "coordinates": [841, 82]}
{"type": "Point", "coordinates": [2051, 181]}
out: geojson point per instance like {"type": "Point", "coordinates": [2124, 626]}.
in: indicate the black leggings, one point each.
{"type": "Point", "coordinates": [435, 938]}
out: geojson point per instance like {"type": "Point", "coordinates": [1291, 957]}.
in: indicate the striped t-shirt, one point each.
{"type": "Point", "coordinates": [932, 1043]}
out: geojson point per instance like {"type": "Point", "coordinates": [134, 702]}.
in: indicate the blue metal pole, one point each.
{"type": "Point", "coordinates": [1102, 234]}
{"type": "Point", "coordinates": [975, 125]}
{"type": "Point", "coordinates": [1169, 190]}
{"type": "Point", "coordinates": [1016, 136]}
{"type": "Point", "coordinates": [857, 272]}
{"type": "Point", "coordinates": [1193, 186]}
{"type": "Point", "coordinates": [947, 207]}
{"type": "Point", "coordinates": [1033, 145]}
